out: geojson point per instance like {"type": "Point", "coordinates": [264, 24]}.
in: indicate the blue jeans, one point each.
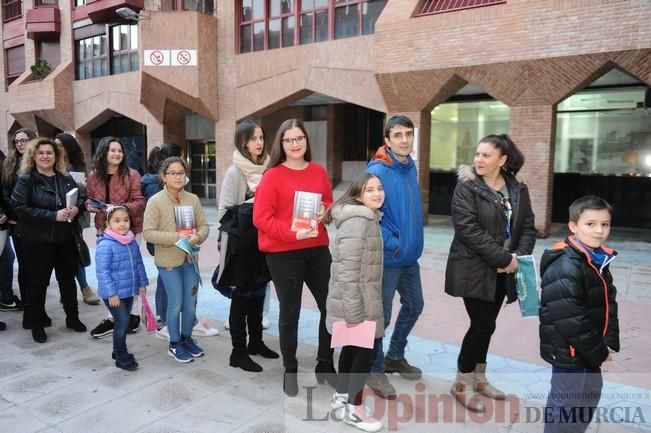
{"type": "Point", "coordinates": [181, 285]}
{"type": "Point", "coordinates": [161, 300]}
{"type": "Point", "coordinates": [407, 282]}
{"type": "Point", "coordinates": [572, 399]}
{"type": "Point", "coordinates": [121, 315]}
{"type": "Point", "coordinates": [81, 277]}
{"type": "Point", "coordinates": [7, 272]}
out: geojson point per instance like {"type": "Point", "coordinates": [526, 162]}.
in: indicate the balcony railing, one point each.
{"type": "Point", "coordinates": [46, 3]}
{"type": "Point", "coordinates": [12, 9]}
{"type": "Point", "coordinates": [440, 6]}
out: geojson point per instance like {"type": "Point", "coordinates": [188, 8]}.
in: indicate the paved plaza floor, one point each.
{"type": "Point", "coordinates": [70, 384]}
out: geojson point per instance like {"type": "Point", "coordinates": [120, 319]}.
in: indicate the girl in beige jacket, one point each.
{"type": "Point", "coordinates": [355, 291]}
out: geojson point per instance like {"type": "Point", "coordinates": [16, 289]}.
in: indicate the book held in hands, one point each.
{"type": "Point", "coordinates": [186, 221]}
{"type": "Point", "coordinates": [306, 209]}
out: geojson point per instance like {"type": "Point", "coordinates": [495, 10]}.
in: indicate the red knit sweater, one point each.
{"type": "Point", "coordinates": [274, 199]}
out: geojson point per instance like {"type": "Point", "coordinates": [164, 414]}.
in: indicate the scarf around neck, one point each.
{"type": "Point", "coordinates": [252, 172]}
{"type": "Point", "coordinates": [123, 239]}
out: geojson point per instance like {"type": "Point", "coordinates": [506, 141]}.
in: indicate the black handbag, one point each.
{"type": "Point", "coordinates": [82, 249]}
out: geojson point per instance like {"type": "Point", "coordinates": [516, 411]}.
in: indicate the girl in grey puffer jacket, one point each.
{"type": "Point", "coordinates": [355, 290]}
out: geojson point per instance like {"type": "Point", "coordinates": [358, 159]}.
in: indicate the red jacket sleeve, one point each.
{"type": "Point", "coordinates": [265, 210]}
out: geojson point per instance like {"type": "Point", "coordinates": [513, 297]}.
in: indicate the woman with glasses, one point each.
{"type": "Point", "coordinates": [45, 229]}
{"type": "Point", "coordinates": [112, 181]}
{"type": "Point", "coordinates": [8, 178]}
{"type": "Point", "coordinates": [299, 255]}
{"type": "Point", "coordinates": [493, 224]}
{"type": "Point", "coordinates": [174, 214]}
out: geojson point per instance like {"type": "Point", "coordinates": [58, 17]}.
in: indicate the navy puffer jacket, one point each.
{"type": "Point", "coordinates": [578, 311]}
{"type": "Point", "coordinates": [120, 270]}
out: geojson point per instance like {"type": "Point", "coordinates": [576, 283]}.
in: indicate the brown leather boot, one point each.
{"type": "Point", "coordinates": [482, 386]}
{"type": "Point", "coordinates": [463, 391]}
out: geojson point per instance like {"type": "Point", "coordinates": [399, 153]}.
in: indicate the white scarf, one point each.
{"type": "Point", "coordinates": [252, 172]}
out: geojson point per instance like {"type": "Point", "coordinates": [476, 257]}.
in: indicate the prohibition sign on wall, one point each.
{"type": "Point", "coordinates": [183, 57]}
{"type": "Point", "coordinates": [156, 58]}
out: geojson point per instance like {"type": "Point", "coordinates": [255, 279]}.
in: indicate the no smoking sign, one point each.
{"type": "Point", "coordinates": [164, 57]}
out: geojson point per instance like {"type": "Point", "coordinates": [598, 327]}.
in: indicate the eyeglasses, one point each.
{"type": "Point", "coordinates": [21, 140]}
{"type": "Point", "coordinates": [175, 174]}
{"type": "Point", "coordinates": [300, 139]}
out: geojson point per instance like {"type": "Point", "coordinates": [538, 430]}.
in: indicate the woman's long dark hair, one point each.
{"type": "Point", "coordinates": [243, 134]}
{"type": "Point", "coordinates": [351, 196]}
{"type": "Point", "coordinates": [75, 155]}
{"type": "Point", "coordinates": [506, 146]}
{"type": "Point", "coordinates": [12, 163]}
{"type": "Point", "coordinates": [277, 155]}
{"type": "Point", "coordinates": [100, 164]}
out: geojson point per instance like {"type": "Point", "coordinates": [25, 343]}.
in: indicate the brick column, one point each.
{"type": "Point", "coordinates": [533, 128]}
{"type": "Point", "coordinates": [423, 121]}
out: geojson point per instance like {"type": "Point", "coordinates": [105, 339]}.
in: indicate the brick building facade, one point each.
{"type": "Point", "coordinates": [527, 54]}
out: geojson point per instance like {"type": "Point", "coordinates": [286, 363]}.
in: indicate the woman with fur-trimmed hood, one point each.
{"type": "Point", "coordinates": [493, 224]}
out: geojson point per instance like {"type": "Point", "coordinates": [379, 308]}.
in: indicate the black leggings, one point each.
{"type": "Point", "coordinates": [354, 368]}
{"type": "Point", "coordinates": [289, 270]}
{"type": "Point", "coordinates": [245, 311]}
{"type": "Point", "coordinates": [482, 315]}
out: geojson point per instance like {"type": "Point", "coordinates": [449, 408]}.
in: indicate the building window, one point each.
{"type": "Point", "coordinates": [605, 131]}
{"type": "Point", "coordinates": [430, 7]}
{"type": "Point", "coordinates": [12, 9]}
{"type": "Point", "coordinates": [99, 55]}
{"type": "Point", "coordinates": [46, 3]}
{"type": "Point", "coordinates": [79, 3]}
{"type": "Point", "coordinates": [124, 51]}
{"type": "Point", "coordinates": [457, 128]}
{"type": "Point", "coordinates": [15, 61]}
{"type": "Point", "coordinates": [268, 24]}
{"type": "Point", "coordinates": [92, 57]}
{"type": "Point", "coordinates": [205, 6]}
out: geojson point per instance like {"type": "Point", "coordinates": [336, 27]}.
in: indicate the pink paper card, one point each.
{"type": "Point", "coordinates": [361, 335]}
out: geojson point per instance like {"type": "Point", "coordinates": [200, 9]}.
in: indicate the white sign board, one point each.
{"type": "Point", "coordinates": [184, 57]}
{"type": "Point", "coordinates": [157, 57]}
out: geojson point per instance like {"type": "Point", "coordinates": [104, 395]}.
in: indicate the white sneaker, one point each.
{"type": "Point", "coordinates": [163, 334]}
{"type": "Point", "coordinates": [227, 325]}
{"type": "Point", "coordinates": [265, 322]}
{"type": "Point", "coordinates": [358, 416]}
{"type": "Point", "coordinates": [338, 405]}
{"type": "Point", "coordinates": [203, 329]}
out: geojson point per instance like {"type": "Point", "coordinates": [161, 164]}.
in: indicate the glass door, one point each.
{"type": "Point", "coordinates": [203, 173]}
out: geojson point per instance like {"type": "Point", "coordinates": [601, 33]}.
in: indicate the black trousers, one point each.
{"type": "Point", "coordinates": [43, 258]}
{"type": "Point", "coordinates": [289, 270]}
{"type": "Point", "coordinates": [23, 264]}
{"type": "Point", "coordinates": [482, 315]}
{"type": "Point", "coordinates": [354, 368]}
{"type": "Point", "coordinates": [245, 311]}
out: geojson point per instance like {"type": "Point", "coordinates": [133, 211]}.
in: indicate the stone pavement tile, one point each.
{"type": "Point", "coordinates": [16, 420]}
{"type": "Point", "coordinates": [33, 384]}
{"type": "Point", "coordinates": [121, 415]}
{"type": "Point", "coordinates": [168, 395]}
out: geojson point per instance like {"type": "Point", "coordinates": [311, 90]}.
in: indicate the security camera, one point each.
{"type": "Point", "coordinates": [130, 14]}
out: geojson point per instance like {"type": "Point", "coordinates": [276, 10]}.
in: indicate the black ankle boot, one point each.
{"type": "Point", "coordinates": [47, 322]}
{"type": "Point", "coordinates": [262, 350]}
{"type": "Point", "coordinates": [325, 372]}
{"type": "Point", "coordinates": [244, 361]}
{"type": "Point", "coordinates": [75, 324]}
{"type": "Point", "coordinates": [39, 335]}
{"type": "Point", "coordinates": [290, 382]}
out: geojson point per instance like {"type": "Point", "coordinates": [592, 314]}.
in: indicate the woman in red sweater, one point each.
{"type": "Point", "coordinates": [295, 257]}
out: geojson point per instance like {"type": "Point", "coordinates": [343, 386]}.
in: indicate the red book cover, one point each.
{"type": "Point", "coordinates": [185, 220]}
{"type": "Point", "coordinates": [305, 211]}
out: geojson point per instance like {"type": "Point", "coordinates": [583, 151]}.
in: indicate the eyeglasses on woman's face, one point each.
{"type": "Point", "coordinates": [176, 174]}
{"type": "Point", "coordinates": [287, 141]}
{"type": "Point", "coordinates": [21, 140]}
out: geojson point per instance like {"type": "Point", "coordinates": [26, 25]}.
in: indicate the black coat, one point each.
{"type": "Point", "coordinates": [578, 311]}
{"type": "Point", "coordinates": [245, 268]}
{"type": "Point", "coordinates": [36, 206]}
{"type": "Point", "coordinates": [477, 249]}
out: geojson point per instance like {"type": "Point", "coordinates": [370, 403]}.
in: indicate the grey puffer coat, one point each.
{"type": "Point", "coordinates": [355, 291]}
{"type": "Point", "coordinates": [477, 249]}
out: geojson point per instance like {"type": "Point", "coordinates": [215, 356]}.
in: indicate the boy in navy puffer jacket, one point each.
{"type": "Point", "coordinates": [121, 276]}
{"type": "Point", "coordinates": [579, 326]}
